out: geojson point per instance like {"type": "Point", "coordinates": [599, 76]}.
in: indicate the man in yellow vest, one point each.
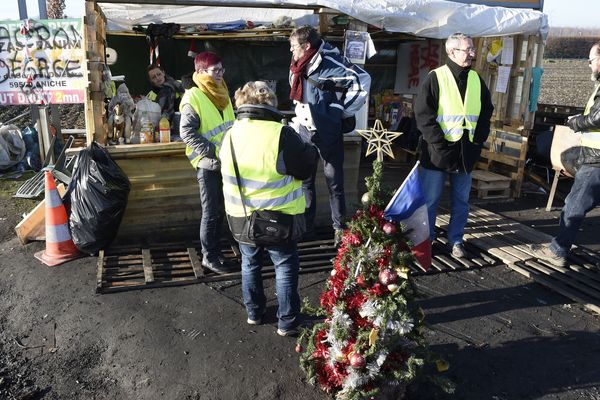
{"type": "Point", "coordinates": [271, 160]}
{"type": "Point", "coordinates": [585, 192]}
{"type": "Point", "coordinates": [453, 112]}
{"type": "Point", "coordinates": [206, 113]}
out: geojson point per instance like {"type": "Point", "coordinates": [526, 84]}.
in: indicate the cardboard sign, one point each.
{"type": "Point", "coordinates": [41, 62]}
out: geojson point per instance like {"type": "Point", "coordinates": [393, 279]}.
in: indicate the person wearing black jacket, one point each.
{"type": "Point", "coordinates": [585, 192]}
{"type": "Point", "coordinates": [263, 163]}
{"type": "Point", "coordinates": [454, 127]}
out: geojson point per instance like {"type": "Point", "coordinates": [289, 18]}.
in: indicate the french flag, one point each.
{"type": "Point", "coordinates": [408, 206]}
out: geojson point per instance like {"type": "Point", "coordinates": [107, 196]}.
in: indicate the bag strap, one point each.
{"type": "Point", "coordinates": [237, 174]}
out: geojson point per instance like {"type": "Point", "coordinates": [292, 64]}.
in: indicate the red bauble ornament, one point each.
{"type": "Point", "coordinates": [299, 348]}
{"type": "Point", "coordinates": [357, 360]}
{"type": "Point", "coordinates": [388, 276]}
{"type": "Point", "coordinates": [389, 228]}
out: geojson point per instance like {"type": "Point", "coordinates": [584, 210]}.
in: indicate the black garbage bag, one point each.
{"type": "Point", "coordinates": [96, 197]}
{"type": "Point", "coordinates": [571, 159]}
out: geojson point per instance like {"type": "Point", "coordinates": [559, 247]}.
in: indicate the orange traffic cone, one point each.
{"type": "Point", "coordinates": [59, 245]}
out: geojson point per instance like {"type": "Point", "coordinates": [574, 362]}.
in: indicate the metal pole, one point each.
{"type": "Point", "coordinates": [22, 9]}
{"type": "Point", "coordinates": [44, 135]}
{"type": "Point", "coordinates": [43, 9]}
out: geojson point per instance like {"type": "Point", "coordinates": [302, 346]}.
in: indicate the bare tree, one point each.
{"type": "Point", "coordinates": [55, 8]}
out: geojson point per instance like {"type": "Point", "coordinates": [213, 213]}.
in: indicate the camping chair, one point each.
{"type": "Point", "coordinates": [61, 170]}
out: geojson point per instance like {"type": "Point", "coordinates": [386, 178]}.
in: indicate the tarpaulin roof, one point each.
{"type": "Point", "coordinates": [426, 18]}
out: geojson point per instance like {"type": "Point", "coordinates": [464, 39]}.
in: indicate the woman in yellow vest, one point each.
{"type": "Point", "coordinates": [206, 113]}
{"type": "Point", "coordinates": [272, 160]}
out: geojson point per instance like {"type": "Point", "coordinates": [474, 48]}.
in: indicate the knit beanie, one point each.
{"type": "Point", "coordinates": [205, 60]}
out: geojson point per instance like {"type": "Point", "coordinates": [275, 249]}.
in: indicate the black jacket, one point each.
{"type": "Point", "coordinates": [295, 157]}
{"type": "Point", "coordinates": [436, 152]}
{"type": "Point", "coordinates": [583, 123]}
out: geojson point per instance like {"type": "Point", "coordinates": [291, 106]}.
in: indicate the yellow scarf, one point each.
{"type": "Point", "coordinates": [218, 94]}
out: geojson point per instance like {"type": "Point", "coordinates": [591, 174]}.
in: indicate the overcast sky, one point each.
{"type": "Point", "coordinates": [564, 13]}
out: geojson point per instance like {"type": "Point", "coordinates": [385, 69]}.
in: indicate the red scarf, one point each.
{"type": "Point", "coordinates": [298, 69]}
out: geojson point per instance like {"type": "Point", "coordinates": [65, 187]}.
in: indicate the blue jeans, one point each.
{"type": "Point", "coordinates": [432, 182]}
{"type": "Point", "coordinates": [584, 195]}
{"type": "Point", "coordinates": [286, 261]}
{"type": "Point", "coordinates": [213, 206]}
{"type": "Point", "coordinates": [333, 169]}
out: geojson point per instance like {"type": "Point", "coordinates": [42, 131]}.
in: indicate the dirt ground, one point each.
{"type": "Point", "coordinates": [504, 336]}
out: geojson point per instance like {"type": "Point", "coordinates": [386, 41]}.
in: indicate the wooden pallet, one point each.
{"type": "Point", "coordinates": [176, 264]}
{"type": "Point", "coordinates": [489, 185]}
{"type": "Point", "coordinates": [509, 241]}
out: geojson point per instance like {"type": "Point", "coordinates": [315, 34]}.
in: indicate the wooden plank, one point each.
{"type": "Point", "coordinates": [148, 273]}
{"type": "Point", "coordinates": [558, 287]}
{"type": "Point", "coordinates": [196, 264]}
{"type": "Point", "coordinates": [33, 225]}
{"type": "Point", "coordinates": [99, 271]}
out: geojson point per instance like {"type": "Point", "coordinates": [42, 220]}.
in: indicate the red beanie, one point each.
{"type": "Point", "coordinates": [205, 60]}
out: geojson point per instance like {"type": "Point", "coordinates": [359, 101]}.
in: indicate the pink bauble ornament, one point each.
{"type": "Point", "coordinates": [360, 281]}
{"type": "Point", "coordinates": [390, 228]}
{"type": "Point", "coordinates": [357, 360]}
{"type": "Point", "coordinates": [298, 348]}
{"type": "Point", "coordinates": [388, 276]}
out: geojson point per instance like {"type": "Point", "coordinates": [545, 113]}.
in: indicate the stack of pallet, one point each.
{"type": "Point", "coordinates": [489, 185]}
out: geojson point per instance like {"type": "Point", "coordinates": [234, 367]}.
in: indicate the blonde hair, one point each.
{"type": "Point", "coordinates": [257, 92]}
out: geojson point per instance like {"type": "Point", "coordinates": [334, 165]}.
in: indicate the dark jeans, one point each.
{"type": "Point", "coordinates": [333, 168]}
{"type": "Point", "coordinates": [584, 195]}
{"type": "Point", "coordinates": [287, 264]}
{"type": "Point", "coordinates": [213, 206]}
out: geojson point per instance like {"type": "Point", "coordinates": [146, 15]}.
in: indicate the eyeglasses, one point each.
{"type": "Point", "coordinates": [216, 71]}
{"type": "Point", "coordinates": [468, 50]}
{"type": "Point", "coordinates": [591, 60]}
{"type": "Point", "coordinates": [294, 46]}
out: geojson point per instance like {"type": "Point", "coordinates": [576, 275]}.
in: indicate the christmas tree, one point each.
{"type": "Point", "coordinates": [371, 341]}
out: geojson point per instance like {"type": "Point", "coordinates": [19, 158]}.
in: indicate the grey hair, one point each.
{"type": "Point", "coordinates": [454, 40]}
{"type": "Point", "coordinates": [257, 92]}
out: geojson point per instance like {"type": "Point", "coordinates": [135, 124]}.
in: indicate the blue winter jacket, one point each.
{"type": "Point", "coordinates": [327, 106]}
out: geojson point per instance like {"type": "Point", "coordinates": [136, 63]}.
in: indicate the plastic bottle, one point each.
{"type": "Point", "coordinates": [146, 129]}
{"type": "Point", "coordinates": [164, 130]}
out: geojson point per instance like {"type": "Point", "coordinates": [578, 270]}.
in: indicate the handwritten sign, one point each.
{"type": "Point", "coordinates": [415, 60]}
{"type": "Point", "coordinates": [42, 62]}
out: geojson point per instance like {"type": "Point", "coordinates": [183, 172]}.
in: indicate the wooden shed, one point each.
{"type": "Point", "coordinates": [164, 197]}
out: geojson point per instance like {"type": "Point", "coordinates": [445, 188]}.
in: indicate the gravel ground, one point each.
{"type": "Point", "coordinates": [566, 82]}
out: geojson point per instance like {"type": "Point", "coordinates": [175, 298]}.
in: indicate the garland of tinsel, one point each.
{"type": "Point", "coordinates": [372, 335]}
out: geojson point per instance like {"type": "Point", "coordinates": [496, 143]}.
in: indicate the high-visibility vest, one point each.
{"type": "Point", "coordinates": [455, 115]}
{"type": "Point", "coordinates": [591, 138]}
{"type": "Point", "coordinates": [256, 144]}
{"type": "Point", "coordinates": [212, 124]}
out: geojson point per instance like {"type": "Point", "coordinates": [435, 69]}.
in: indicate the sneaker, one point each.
{"type": "Point", "coordinates": [458, 251]}
{"type": "Point", "coordinates": [288, 333]}
{"type": "Point", "coordinates": [258, 321]}
{"type": "Point", "coordinates": [543, 252]}
{"type": "Point", "coordinates": [337, 237]}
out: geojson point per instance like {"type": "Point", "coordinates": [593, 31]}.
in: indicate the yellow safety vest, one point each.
{"type": "Point", "coordinates": [256, 144]}
{"type": "Point", "coordinates": [454, 115]}
{"type": "Point", "coordinates": [212, 124]}
{"type": "Point", "coordinates": [591, 138]}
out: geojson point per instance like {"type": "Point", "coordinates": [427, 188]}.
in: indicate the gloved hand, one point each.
{"type": "Point", "coordinates": [571, 123]}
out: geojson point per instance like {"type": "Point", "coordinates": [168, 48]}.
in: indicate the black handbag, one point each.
{"type": "Point", "coordinates": [263, 227]}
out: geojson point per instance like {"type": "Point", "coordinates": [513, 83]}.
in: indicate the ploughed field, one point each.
{"type": "Point", "coordinates": [566, 82]}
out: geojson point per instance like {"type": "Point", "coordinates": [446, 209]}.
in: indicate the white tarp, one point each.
{"type": "Point", "coordinates": [426, 18]}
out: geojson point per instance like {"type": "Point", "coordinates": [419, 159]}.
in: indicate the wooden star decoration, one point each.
{"type": "Point", "coordinates": [379, 140]}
